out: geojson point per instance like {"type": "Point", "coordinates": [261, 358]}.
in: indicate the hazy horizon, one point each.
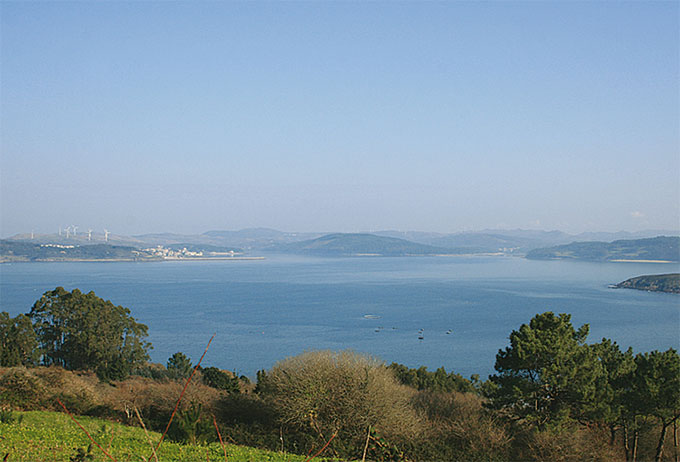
{"type": "Point", "coordinates": [97, 234]}
{"type": "Point", "coordinates": [145, 117]}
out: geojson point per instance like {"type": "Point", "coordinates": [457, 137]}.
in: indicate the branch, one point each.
{"type": "Point", "coordinates": [323, 448]}
{"type": "Point", "coordinates": [220, 436]}
{"type": "Point", "coordinates": [83, 429]}
{"type": "Point", "coordinates": [181, 395]}
{"type": "Point", "coordinates": [148, 439]}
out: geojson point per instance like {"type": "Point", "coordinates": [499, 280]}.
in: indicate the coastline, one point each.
{"type": "Point", "coordinates": [664, 283]}
{"type": "Point", "coordinates": [128, 260]}
{"type": "Point", "coordinates": [642, 261]}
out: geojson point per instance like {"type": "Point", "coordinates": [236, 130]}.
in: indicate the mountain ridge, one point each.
{"type": "Point", "coordinates": [357, 244]}
{"type": "Point", "coordinates": [516, 242]}
{"type": "Point", "coordinates": [660, 248]}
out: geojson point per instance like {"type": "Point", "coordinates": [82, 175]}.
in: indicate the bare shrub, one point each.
{"type": "Point", "coordinates": [21, 389]}
{"type": "Point", "coordinates": [81, 392]}
{"type": "Point", "coordinates": [326, 393]}
{"type": "Point", "coordinates": [649, 439]}
{"type": "Point", "coordinates": [459, 428]}
{"type": "Point", "coordinates": [155, 400]}
{"type": "Point", "coordinates": [575, 444]}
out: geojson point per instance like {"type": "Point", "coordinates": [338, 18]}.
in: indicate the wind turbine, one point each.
{"type": "Point", "coordinates": [89, 234]}
{"type": "Point", "coordinates": [59, 231]}
{"type": "Point", "coordinates": [74, 230]}
{"type": "Point", "coordinates": [106, 235]}
{"type": "Point", "coordinates": [68, 232]}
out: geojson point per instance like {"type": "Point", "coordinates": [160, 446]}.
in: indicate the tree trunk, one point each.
{"type": "Point", "coordinates": [612, 435]}
{"type": "Point", "coordinates": [626, 448]}
{"type": "Point", "coordinates": [659, 448]}
{"type": "Point", "coordinates": [368, 438]}
{"type": "Point", "coordinates": [635, 444]}
{"type": "Point", "coordinates": [675, 440]}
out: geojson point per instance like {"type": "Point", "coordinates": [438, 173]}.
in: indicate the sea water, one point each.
{"type": "Point", "coordinates": [262, 311]}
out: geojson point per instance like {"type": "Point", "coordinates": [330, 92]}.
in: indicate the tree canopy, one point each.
{"type": "Point", "coordinates": [179, 366]}
{"type": "Point", "coordinates": [546, 372]}
{"type": "Point", "coordinates": [655, 390]}
{"type": "Point", "coordinates": [18, 343]}
{"type": "Point", "coordinates": [82, 331]}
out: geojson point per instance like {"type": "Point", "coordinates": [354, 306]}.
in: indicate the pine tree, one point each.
{"type": "Point", "coordinates": [546, 372]}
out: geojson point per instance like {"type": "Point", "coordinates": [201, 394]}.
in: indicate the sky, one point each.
{"type": "Point", "coordinates": [185, 117]}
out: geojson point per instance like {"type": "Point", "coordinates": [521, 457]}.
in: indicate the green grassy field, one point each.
{"type": "Point", "coordinates": [52, 436]}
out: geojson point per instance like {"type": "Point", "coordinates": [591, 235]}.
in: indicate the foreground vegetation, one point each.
{"type": "Point", "coordinates": [553, 397]}
{"type": "Point", "coordinates": [51, 436]}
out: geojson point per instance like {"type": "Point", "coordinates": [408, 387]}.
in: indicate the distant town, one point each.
{"type": "Point", "coordinates": [171, 254]}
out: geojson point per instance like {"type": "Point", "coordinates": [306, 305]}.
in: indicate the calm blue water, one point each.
{"type": "Point", "coordinates": [263, 311]}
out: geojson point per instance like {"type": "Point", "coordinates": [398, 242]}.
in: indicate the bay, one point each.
{"type": "Point", "coordinates": [265, 310]}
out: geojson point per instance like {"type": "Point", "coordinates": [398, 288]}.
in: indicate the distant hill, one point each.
{"type": "Point", "coordinates": [79, 240]}
{"type": "Point", "coordinates": [506, 241]}
{"type": "Point", "coordinates": [514, 241]}
{"type": "Point", "coordinates": [623, 235]}
{"type": "Point", "coordinates": [341, 244]}
{"type": "Point", "coordinates": [655, 283]}
{"type": "Point", "coordinates": [419, 237]}
{"type": "Point", "coordinates": [661, 248]}
{"type": "Point", "coordinates": [25, 251]}
{"type": "Point", "coordinates": [490, 242]}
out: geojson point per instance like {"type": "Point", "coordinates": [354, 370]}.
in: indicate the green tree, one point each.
{"type": "Point", "coordinates": [179, 366]}
{"type": "Point", "coordinates": [191, 427]}
{"type": "Point", "coordinates": [216, 378]}
{"type": "Point", "coordinates": [18, 342]}
{"type": "Point", "coordinates": [438, 380]}
{"type": "Point", "coordinates": [655, 390]}
{"type": "Point", "coordinates": [546, 372]}
{"type": "Point", "coordinates": [607, 407]}
{"type": "Point", "coordinates": [82, 331]}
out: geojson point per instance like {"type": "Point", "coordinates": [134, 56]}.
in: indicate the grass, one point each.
{"type": "Point", "coordinates": [53, 436]}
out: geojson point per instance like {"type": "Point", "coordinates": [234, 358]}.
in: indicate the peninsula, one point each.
{"type": "Point", "coordinates": [654, 283]}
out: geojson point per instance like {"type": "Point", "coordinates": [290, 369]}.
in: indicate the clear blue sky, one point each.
{"type": "Point", "coordinates": [318, 116]}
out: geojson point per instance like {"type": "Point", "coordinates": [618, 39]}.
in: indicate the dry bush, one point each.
{"type": "Point", "coordinates": [39, 388]}
{"type": "Point", "coordinates": [155, 400]}
{"type": "Point", "coordinates": [649, 439]}
{"type": "Point", "coordinates": [459, 428]}
{"type": "Point", "coordinates": [323, 393]}
{"type": "Point", "coordinates": [81, 392]}
{"type": "Point", "coordinates": [574, 444]}
{"type": "Point", "coordinates": [21, 389]}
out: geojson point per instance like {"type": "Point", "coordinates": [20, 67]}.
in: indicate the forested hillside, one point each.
{"type": "Point", "coordinates": [340, 244]}
{"type": "Point", "coordinates": [661, 248]}
{"type": "Point", "coordinates": [11, 250]}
